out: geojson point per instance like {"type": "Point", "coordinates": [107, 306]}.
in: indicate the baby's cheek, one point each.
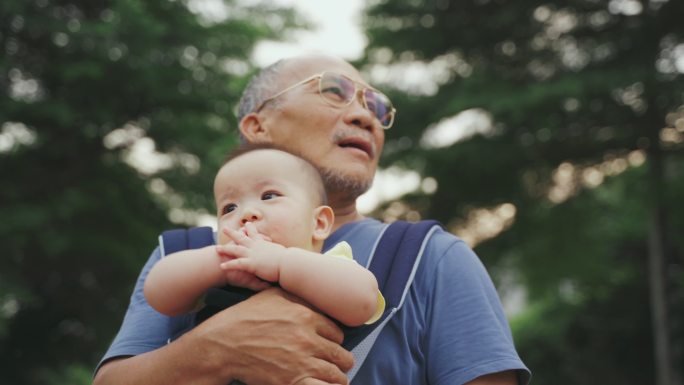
{"type": "Point", "coordinates": [295, 236]}
{"type": "Point", "coordinates": [223, 239]}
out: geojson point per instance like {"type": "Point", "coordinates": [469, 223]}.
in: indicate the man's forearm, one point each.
{"type": "Point", "coordinates": [271, 339]}
{"type": "Point", "coordinates": [174, 363]}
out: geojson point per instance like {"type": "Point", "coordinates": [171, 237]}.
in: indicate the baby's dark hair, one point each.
{"type": "Point", "coordinates": [308, 167]}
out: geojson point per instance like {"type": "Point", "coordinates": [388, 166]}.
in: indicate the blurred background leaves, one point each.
{"type": "Point", "coordinates": [569, 181]}
{"type": "Point", "coordinates": [547, 134]}
{"type": "Point", "coordinates": [87, 87]}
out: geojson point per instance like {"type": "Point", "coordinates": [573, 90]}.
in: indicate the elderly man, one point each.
{"type": "Point", "coordinates": [451, 330]}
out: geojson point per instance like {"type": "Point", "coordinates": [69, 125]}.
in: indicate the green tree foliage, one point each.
{"type": "Point", "coordinates": [84, 84]}
{"type": "Point", "coordinates": [586, 142]}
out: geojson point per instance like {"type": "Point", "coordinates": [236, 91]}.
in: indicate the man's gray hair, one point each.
{"type": "Point", "coordinates": [260, 87]}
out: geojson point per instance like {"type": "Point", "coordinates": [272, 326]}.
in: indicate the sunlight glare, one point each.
{"type": "Point", "coordinates": [457, 128]}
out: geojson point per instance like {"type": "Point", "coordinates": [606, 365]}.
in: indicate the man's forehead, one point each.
{"type": "Point", "coordinates": [300, 68]}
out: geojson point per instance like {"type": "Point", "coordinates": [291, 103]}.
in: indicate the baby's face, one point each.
{"type": "Point", "coordinates": [268, 188]}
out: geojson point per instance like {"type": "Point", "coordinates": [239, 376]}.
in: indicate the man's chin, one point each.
{"type": "Point", "coordinates": [341, 185]}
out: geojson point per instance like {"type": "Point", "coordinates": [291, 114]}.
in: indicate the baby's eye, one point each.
{"type": "Point", "coordinates": [228, 208]}
{"type": "Point", "coordinates": [269, 195]}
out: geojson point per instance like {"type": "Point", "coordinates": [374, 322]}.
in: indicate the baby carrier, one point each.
{"type": "Point", "coordinates": [394, 260]}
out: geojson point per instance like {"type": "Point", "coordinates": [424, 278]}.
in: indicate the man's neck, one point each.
{"type": "Point", "coordinates": [345, 212]}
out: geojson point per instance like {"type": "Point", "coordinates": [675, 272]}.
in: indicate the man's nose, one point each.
{"type": "Point", "coordinates": [358, 115]}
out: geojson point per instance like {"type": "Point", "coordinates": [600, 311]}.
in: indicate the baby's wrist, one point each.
{"type": "Point", "coordinates": [283, 260]}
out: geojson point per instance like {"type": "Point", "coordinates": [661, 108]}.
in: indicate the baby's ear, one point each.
{"type": "Point", "coordinates": [324, 218]}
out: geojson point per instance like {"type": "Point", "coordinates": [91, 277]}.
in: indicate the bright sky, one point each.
{"type": "Point", "coordinates": [336, 31]}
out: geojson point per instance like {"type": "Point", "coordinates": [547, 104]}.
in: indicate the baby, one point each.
{"type": "Point", "coordinates": [272, 221]}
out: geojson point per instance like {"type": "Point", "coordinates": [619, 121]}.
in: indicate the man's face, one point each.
{"type": "Point", "coordinates": [344, 142]}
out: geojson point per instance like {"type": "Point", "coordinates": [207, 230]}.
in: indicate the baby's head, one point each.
{"type": "Point", "coordinates": [281, 193]}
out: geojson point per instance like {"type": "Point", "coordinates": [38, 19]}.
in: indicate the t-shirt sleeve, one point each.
{"type": "Point", "coordinates": [343, 250]}
{"type": "Point", "coordinates": [468, 334]}
{"type": "Point", "coordinates": [144, 329]}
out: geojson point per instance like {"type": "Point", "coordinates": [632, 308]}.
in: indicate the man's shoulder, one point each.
{"type": "Point", "coordinates": [444, 239]}
{"type": "Point", "coordinates": [370, 228]}
{"type": "Point", "coordinates": [362, 224]}
{"type": "Point", "coordinates": [366, 227]}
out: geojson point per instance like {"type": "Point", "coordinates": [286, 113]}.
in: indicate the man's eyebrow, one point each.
{"type": "Point", "coordinates": [312, 85]}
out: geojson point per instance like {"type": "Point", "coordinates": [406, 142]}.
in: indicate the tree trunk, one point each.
{"type": "Point", "coordinates": [659, 311]}
{"type": "Point", "coordinates": [666, 373]}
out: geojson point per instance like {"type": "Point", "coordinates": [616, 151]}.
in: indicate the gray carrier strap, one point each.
{"type": "Point", "coordinates": [394, 260]}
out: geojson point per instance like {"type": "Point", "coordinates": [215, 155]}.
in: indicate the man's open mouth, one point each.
{"type": "Point", "coordinates": [359, 144]}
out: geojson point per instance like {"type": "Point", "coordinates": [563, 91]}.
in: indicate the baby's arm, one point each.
{"type": "Point", "coordinates": [338, 287]}
{"type": "Point", "coordinates": [176, 284]}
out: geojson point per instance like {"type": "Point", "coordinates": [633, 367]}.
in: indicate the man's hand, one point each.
{"type": "Point", "coordinates": [268, 339]}
{"type": "Point", "coordinates": [272, 339]}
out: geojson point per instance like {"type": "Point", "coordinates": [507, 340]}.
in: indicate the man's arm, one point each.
{"type": "Point", "coordinates": [268, 339]}
{"type": "Point", "coordinates": [508, 377]}
{"type": "Point", "coordinates": [469, 339]}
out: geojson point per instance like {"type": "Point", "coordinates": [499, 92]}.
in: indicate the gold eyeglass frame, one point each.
{"type": "Point", "coordinates": [358, 88]}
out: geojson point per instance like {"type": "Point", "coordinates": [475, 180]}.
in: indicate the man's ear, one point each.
{"type": "Point", "coordinates": [253, 130]}
{"type": "Point", "coordinates": [324, 218]}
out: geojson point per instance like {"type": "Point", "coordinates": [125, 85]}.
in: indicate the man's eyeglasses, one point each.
{"type": "Point", "coordinates": [339, 90]}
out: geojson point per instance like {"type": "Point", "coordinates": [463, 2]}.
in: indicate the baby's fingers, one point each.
{"type": "Point", "coordinates": [246, 280]}
{"type": "Point", "coordinates": [253, 233]}
{"type": "Point", "coordinates": [236, 236]}
{"type": "Point", "coordinates": [231, 251]}
{"type": "Point", "coordinates": [237, 265]}
{"type": "Point", "coordinates": [251, 230]}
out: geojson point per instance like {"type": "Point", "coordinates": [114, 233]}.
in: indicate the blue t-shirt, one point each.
{"type": "Point", "coordinates": [450, 330]}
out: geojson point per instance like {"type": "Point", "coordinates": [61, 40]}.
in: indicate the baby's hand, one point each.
{"type": "Point", "coordinates": [250, 230]}
{"type": "Point", "coordinates": [251, 253]}
{"type": "Point", "coordinates": [244, 279]}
